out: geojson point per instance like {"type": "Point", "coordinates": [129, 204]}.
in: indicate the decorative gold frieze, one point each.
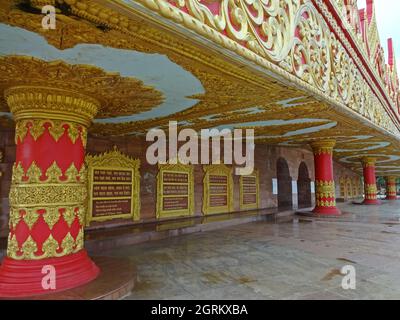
{"type": "Point", "coordinates": [50, 247]}
{"type": "Point", "coordinates": [53, 175]}
{"type": "Point", "coordinates": [30, 102]}
{"type": "Point", "coordinates": [22, 196]}
{"type": "Point", "coordinates": [325, 189]}
{"type": "Point", "coordinates": [56, 129]}
{"type": "Point", "coordinates": [323, 147]}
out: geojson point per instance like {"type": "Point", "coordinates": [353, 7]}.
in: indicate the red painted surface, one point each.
{"type": "Point", "coordinates": [324, 172]}
{"type": "Point", "coordinates": [24, 277]}
{"type": "Point", "coordinates": [370, 179]}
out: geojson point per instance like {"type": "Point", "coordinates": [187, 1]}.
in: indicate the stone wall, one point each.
{"type": "Point", "coordinates": [266, 158]}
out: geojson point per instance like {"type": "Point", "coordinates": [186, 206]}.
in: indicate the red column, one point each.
{"type": "Point", "coordinates": [370, 188]}
{"type": "Point", "coordinates": [48, 192]}
{"type": "Point", "coordinates": [324, 181]}
{"type": "Point", "coordinates": [391, 189]}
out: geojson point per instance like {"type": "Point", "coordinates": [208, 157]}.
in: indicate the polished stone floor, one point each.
{"type": "Point", "coordinates": [299, 259]}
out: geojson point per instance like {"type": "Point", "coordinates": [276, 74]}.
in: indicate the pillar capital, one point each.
{"type": "Point", "coordinates": [368, 161]}
{"type": "Point", "coordinates": [323, 146]}
{"type": "Point", "coordinates": [39, 102]}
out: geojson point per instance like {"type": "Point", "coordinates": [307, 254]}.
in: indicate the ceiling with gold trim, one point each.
{"type": "Point", "coordinates": [164, 75]}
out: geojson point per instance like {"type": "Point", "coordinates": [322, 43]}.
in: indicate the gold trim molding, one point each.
{"type": "Point", "coordinates": [222, 171]}
{"type": "Point", "coordinates": [114, 160]}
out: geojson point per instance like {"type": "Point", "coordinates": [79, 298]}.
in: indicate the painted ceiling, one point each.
{"type": "Point", "coordinates": [151, 84]}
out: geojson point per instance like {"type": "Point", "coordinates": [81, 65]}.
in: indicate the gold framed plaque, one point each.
{"type": "Point", "coordinates": [249, 191]}
{"type": "Point", "coordinates": [175, 191]}
{"type": "Point", "coordinates": [217, 189]}
{"type": "Point", "coordinates": [113, 187]}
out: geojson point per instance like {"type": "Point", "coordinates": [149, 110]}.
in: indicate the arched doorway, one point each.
{"type": "Point", "coordinates": [304, 187]}
{"type": "Point", "coordinates": [285, 201]}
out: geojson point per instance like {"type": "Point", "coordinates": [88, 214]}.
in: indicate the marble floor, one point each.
{"type": "Point", "coordinates": [299, 259]}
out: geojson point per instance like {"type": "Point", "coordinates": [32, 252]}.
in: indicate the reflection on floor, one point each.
{"type": "Point", "coordinates": [300, 259]}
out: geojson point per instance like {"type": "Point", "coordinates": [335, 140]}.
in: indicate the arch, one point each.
{"type": "Point", "coordinates": [285, 201]}
{"type": "Point", "coordinates": [304, 187]}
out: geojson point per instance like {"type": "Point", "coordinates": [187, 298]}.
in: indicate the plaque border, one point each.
{"type": "Point", "coordinates": [174, 168]}
{"type": "Point", "coordinates": [257, 204]}
{"type": "Point", "coordinates": [220, 170]}
{"type": "Point", "coordinates": [113, 160]}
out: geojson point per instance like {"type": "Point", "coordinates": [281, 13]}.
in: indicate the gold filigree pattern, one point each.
{"type": "Point", "coordinates": [325, 189]}
{"type": "Point", "coordinates": [51, 217]}
{"type": "Point", "coordinates": [15, 218]}
{"type": "Point", "coordinates": [30, 217]}
{"type": "Point", "coordinates": [323, 147]}
{"type": "Point", "coordinates": [53, 175]}
{"type": "Point", "coordinates": [69, 216]}
{"type": "Point", "coordinates": [114, 160]}
{"type": "Point", "coordinates": [219, 171]}
{"type": "Point", "coordinates": [73, 99]}
{"type": "Point", "coordinates": [29, 247]}
{"type": "Point", "coordinates": [56, 129]}
{"type": "Point", "coordinates": [28, 195]}
{"type": "Point", "coordinates": [50, 248]}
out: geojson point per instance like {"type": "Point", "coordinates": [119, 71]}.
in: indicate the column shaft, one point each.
{"type": "Point", "coordinates": [324, 179]}
{"type": "Point", "coordinates": [48, 192]}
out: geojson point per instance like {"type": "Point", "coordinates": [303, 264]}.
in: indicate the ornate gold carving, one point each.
{"type": "Point", "coordinates": [56, 128]}
{"type": "Point", "coordinates": [369, 162]}
{"type": "Point", "coordinates": [70, 98]}
{"type": "Point", "coordinates": [68, 244]}
{"type": "Point", "coordinates": [323, 147]}
{"type": "Point", "coordinates": [29, 247]}
{"type": "Point", "coordinates": [50, 247]}
{"type": "Point", "coordinates": [79, 241]}
{"type": "Point", "coordinates": [36, 195]}
{"type": "Point", "coordinates": [370, 191]}
{"type": "Point", "coordinates": [325, 189]}
{"type": "Point", "coordinates": [175, 169]}
{"type": "Point", "coordinates": [53, 175]}
{"type": "Point", "coordinates": [223, 171]}
{"type": "Point", "coordinates": [27, 102]}
{"type": "Point", "coordinates": [12, 246]}
{"type": "Point", "coordinates": [15, 218]}
{"type": "Point", "coordinates": [31, 217]}
{"type": "Point", "coordinates": [114, 160]}
{"type": "Point", "coordinates": [69, 216]}
{"type": "Point", "coordinates": [51, 217]}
